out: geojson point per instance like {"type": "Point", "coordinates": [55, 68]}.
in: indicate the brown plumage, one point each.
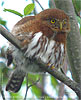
{"type": "Point", "coordinates": [44, 37]}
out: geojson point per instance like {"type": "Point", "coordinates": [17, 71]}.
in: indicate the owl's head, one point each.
{"type": "Point", "coordinates": [56, 19]}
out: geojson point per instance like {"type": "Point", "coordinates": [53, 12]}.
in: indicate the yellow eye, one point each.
{"type": "Point", "coordinates": [64, 22]}
{"type": "Point", "coordinates": [53, 21]}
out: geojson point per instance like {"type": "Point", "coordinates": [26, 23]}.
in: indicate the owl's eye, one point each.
{"type": "Point", "coordinates": [53, 21]}
{"type": "Point", "coordinates": [64, 21]}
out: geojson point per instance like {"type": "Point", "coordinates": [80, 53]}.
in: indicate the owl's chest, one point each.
{"type": "Point", "coordinates": [49, 51]}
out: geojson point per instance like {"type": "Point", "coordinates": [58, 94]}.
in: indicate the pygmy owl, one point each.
{"type": "Point", "coordinates": [44, 37]}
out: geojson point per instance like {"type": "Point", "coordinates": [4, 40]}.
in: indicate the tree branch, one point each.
{"type": "Point", "coordinates": [10, 37]}
{"type": "Point", "coordinates": [52, 4]}
{"type": "Point", "coordinates": [39, 4]}
{"type": "Point", "coordinates": [34, 11]}
{"type": "Point", "coordinates": [55, 73]}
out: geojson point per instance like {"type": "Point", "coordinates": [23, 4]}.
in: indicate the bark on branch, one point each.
{"type": "Point", "coordinates": [55, 73]}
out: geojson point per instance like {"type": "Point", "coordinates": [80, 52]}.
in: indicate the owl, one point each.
{"type": "Point", "coordinates": [42, 37]}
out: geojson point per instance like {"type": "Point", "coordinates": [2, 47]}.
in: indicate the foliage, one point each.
{"type": "Point", "coordinates": [54, 83]}
{"type": "Point", "coordinates": [36, 91]}
{"type": "Point", "coordinates": [77, 5]}
{"type": "Point", "coordinates": [27, 10]}
{"type": "Point", "coordinates": [14, 12]}
{"type": "Point", "coordinates": [15, 96]}
{"type": "Point", "coordinates": [79, 21]}
{"type": "Point", "coordinates": [2, 22]}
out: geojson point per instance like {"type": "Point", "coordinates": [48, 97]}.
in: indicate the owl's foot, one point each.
{"type": "Point", "coordinates": [52, 67]}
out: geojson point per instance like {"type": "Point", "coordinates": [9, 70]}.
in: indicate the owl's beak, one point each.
{"type": "Point", "coordinates": [61, 25]}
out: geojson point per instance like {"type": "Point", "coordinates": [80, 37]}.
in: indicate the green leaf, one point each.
{"type": "Point", "coordinates": [80, 29]}
{"type": "Point", "coordinates": [2, 65]}
{"type": "Point", "coordinates": [2, 22]}
{"type": "Point", "coordinates": [79, 21]}
{"type": "Point", "coordinates": [54, 83]}
{"type": "Point", "coordinates": [34, 77]}
{"type": "Point", "coordinates": [77, 5]}
{"type": "Point", "coordinates": [3, 51]}
{"type": "Point", "coordinates": [36, 91]}
{"type": "Point", "coordinates": [48, 98]}
{"type": "Point", "coordinates": [3, 73]}
{"type": "Point", "coordinates": [69, 99]}
{"type": "Point", "coordinates": [31, 78]}
{"type": "Point", "coordinates": [14, 12]}
{"type": "Point", "coordinates": [28, 9]}
{"type": "Point", "coordinates": [15, 96]}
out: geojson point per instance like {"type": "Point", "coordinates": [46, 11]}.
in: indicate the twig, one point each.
{"type": "Point", "coordinates": [38, 85]}
{"type": "Point", "coordinates": [39, 4]}
{"type": "Point", "coordinates": [2, 93]}
{"type": "Point", "coordinates": [43, 85]}
{"type": "Point", "coordinates": [34, 11]}
{"type": "Point", "coordinates": [1, 90]}
{"type": "Point", "coordinates": [34, 83]}
{"type": "Point", "coordinates": [26, 87]}
{"type": "Point", "coordinates": [55, 73]}
{"type": "Point", "coordinates": [53, 3]}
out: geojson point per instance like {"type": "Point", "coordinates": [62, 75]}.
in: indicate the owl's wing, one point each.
{"type": "Point", "coordinates": [21, 34]}
{"type": "Point", "coordinates": [21, 29]}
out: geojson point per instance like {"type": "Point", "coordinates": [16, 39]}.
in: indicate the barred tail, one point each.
{"type": "Point", "coordinates": [15, 82]}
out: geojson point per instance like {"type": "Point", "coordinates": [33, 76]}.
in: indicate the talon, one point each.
{"type": "Point", "coordinates": [48, 64]}
{"type": "Point", "coordinates": [52, 67]}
